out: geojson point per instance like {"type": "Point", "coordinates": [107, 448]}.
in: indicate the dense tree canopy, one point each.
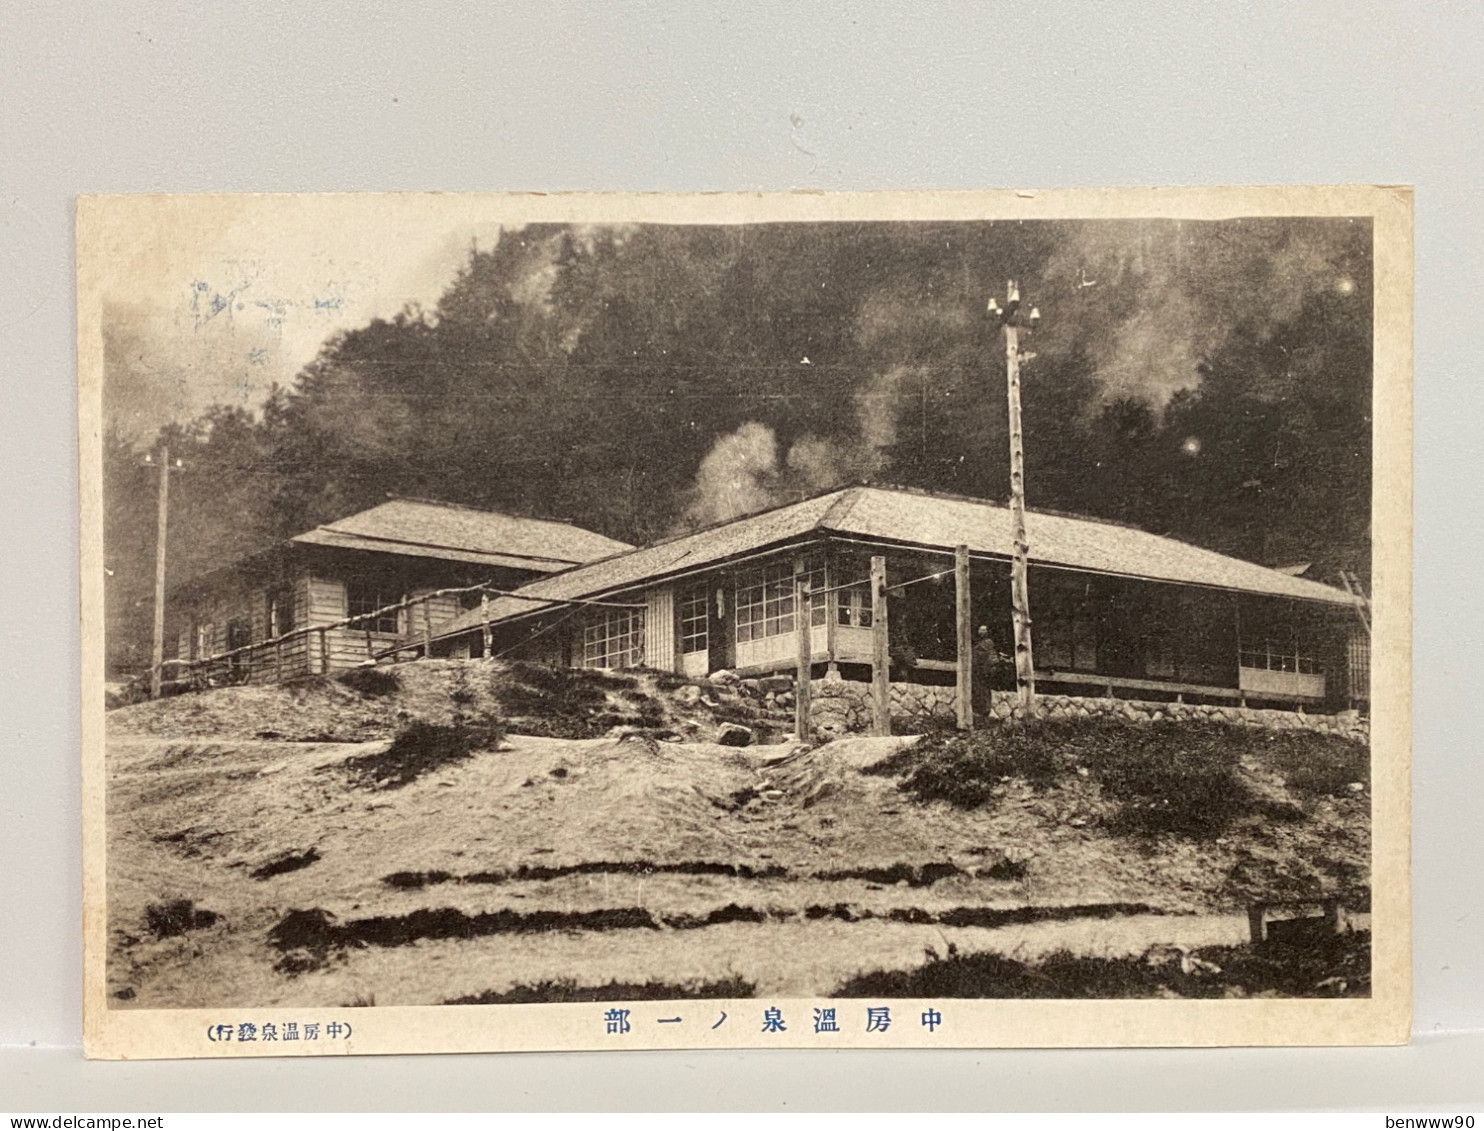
{"type": "Point", "coordinates": [1211, 381]}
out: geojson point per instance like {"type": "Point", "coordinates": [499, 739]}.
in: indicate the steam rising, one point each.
{"type": "Point", "coordinates": [742, 472]}
{"type": "Point", "coordinates": [1146, 302]}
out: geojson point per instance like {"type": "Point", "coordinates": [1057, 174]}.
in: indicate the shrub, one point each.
{"type": "Point", "coordinates": [374, 683]}
{"type": "Point", "coordinates": [166, 920]}
{"type": "Point", "coordinates": [966, 769]}
{"type": "Point", "coordinates": [422, 747]}
{"type": "Point", "coordinates": [1179, 777]}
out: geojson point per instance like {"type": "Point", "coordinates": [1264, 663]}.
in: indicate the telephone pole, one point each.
{"type": "Point", "coordinates": [1012, 321]}
{"type": "Point", "coordinates": [157, 655]}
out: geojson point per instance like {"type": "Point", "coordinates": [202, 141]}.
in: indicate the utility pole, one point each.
{"type": "Point", "coordinates": [157, 655]}
{"type": "Point", "coordinates": [1012, 322]}
{"type": "Point", "coordinates": [963, 614]}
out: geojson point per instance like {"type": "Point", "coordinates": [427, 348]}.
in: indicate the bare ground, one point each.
{"type": "Point", "coordinates": [617, 859]}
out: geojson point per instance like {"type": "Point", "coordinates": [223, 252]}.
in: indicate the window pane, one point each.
{"type": "Point", "coordinates": [614, 638]}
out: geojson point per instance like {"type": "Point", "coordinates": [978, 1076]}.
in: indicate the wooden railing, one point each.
{"type": "Point", "coordinates": [311, 650]}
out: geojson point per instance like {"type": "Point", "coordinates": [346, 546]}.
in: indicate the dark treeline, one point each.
{"type": "Point", "coordinates": [1183, 383]}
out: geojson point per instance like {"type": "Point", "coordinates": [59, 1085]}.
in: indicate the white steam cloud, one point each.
{"type": "Point", "coordinates": [742, 472]}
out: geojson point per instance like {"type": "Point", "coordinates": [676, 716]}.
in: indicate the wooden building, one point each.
{"type": "Point", "coordinates": [327, 599]}
{"type": "Point", "coordinates": [1115, 610]}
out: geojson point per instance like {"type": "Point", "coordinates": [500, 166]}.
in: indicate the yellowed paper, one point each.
{"type": "Point", "coordinates": [680, 379]}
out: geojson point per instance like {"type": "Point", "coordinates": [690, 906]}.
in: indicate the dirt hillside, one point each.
{"type": "Point", "coordinates": [255, 853]}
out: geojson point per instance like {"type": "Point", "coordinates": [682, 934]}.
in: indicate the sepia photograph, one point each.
{"type": "Point", "coordinates": [888, 619]}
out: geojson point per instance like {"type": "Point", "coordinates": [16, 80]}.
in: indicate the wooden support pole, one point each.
{"type": "Point", "coordinates": [324, 651]}
{"type": "Point", "coordinates": [278, 660]}
{"type": "Point", "coordinates": [370, 648]}
{"type": "Point", "coordinates": [1237, 621]}
{"type": "Point", "coordinates": [963, 610]}
{"type": "Point", "coordinates": [427, 630]}
{"type": "Point", "coordinates": [880, 651]}
{"type": "Point", "coordinates": [157, 654]}
{"type": "Point", "coordinates": [484, 616]}
{"type": "Point", "coordinates": [802, 681]}
{"type": "Point", "coordinates": [831, 608]}
{"type": "Point", "coordinates": [1025, 670]}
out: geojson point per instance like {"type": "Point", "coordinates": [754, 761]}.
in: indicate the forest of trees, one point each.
{"type": "Point", "coordinates": [619, 376]}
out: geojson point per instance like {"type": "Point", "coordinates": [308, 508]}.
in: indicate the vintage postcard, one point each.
{"type": "Point", "coordinates": [695, 621]}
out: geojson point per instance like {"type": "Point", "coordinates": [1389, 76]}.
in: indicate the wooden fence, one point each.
{"type": "Point", "coordinates": [323, 648]}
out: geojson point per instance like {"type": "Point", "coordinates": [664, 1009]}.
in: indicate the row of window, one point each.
{"type": "Point", "coordinates": [694, 615]}
{"type": "Point", "coordinates": [764, 607]}
{"type": "Point", "coordinates": [1274, 656]}
{"type": "Point", "coordinates": [765, 601]}
{"type": "Point", "coordinates": [614, 638]}
{"type": "Point", "coordinates": [1067, 632]}
{"type": "Point", "coordinates": [1071, 634]}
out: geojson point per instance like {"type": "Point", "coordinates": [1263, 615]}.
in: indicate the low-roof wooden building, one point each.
{"type": "Point", "coordinates": [284, 611]}
{"type": "Point", "coordinates": [1115, 610]}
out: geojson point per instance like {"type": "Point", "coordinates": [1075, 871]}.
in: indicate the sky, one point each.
{"type": "Point", "coordinates": [216, 309]}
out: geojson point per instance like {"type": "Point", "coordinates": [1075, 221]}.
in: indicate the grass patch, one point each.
{"type": "Point", "coordinates": [967, 770]}
{"type": "Point", "coordinates": [544, 872]}
{"type": "Point", "coordinates": [568, 991]}
{"type": "Point", "coordinates": [1180, 778]}
{"type": "Point", "coordinates": [566, 702]}
{"type": "Point", "coordinates": [421, 748]}
{"type": "Point", "coordinates": [316, 932]}
{"type": "Point", "coordinates": [917, 876]}
{"type": "Point", "coordinates": [1338, 967]}
{"type": "Point", "coordinates": [285, 862]}
{"type": "Point", "coordinates": [535, 689]}
{"type": "Point", "coordinates": [1321, 765]}
{"type": "Point", "coordinates": [373, 683]}
{"type": "Point", "coordinates": [731, 913]}
{"type": "Point", "coordinates": [167, 920]}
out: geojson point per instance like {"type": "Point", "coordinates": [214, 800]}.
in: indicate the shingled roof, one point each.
{"type": "Point", "coordinates": [895, 516]}
{"type": "Point", "coordinates": [419, 528]}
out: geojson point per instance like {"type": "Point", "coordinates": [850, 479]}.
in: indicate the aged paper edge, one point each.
{"type": "Point", "coordinates": [1384, 1018]}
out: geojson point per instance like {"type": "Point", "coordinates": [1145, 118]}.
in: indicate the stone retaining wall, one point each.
{"type": "Point", "coordinates": [840, 706]}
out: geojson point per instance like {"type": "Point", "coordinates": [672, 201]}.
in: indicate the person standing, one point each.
{"type": "Point", "coordinates": [988, 671]}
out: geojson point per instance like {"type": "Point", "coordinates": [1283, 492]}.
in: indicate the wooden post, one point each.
{"type": "Point", "coordinates": [964, 622]}
{"type": "Point", "coordinates": [802, 681]}
{"type": "Point", "coordinates": [1237, 620]}
{"type": "Point", "coordinates": [880, 651]}
{"type": "Point", "coordinates": [427, 631]}
{"type": "Point", "coordinates": [324, 651]}
{"type": "Point", "coordinates": [278, 660]}
{"type": "Point", "coordinates": [831, 608]}
{"type": "Point", "coordinates": [157, 654]}
{"type": "Point", "coordinates": [484, 615]}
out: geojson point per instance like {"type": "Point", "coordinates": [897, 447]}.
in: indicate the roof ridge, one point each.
{"type": "Point", "coordinates": [665, 541]}
{"type": "Point", "coordinates": [393, 498]}
{"type": "Point", "coordinates": [330, 528]}
{"type": "Point", "coordinates": [954, 496]}
{"type": "Point", "coordinates": [840, 509]}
